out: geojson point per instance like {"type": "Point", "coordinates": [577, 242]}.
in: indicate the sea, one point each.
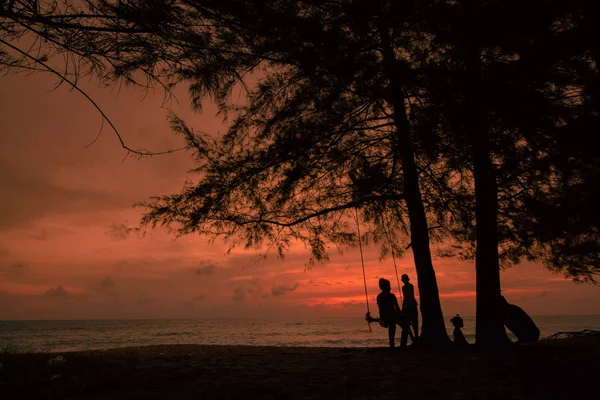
{"type": "Point", "coordinates": [77, 335]}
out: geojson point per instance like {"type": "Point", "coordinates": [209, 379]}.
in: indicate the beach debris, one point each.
{"type": "Point", "coordinates": [569, 335]}
{"type": "Point", "coordinates": [59, 360]}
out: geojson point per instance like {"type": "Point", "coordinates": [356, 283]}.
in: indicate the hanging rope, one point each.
{"type": "Point", "coordinates": [362, 261]}
{"type": "Point", "coordinates": [386, 227]}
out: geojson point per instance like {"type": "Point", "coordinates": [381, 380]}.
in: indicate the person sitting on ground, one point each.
{"type": "Point", "coordinates": [390, 314]}
{"type": "Point", "coordinates": [519, 323]}
{"type": "Point", "coordinates": [459, 338]}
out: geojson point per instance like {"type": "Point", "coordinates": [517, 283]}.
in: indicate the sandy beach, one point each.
{"type": "Point", "coordinates": [550, 369]}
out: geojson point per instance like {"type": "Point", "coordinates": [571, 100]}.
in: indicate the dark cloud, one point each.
{"type": "Point", "coordinates": [107, 282]}
{"type": "Point", "coordinates": [12, 270]}
{"type": "Point", "coordinates": [280, 290]}
{"type": "Point", "coordinates": [251, 288]}
{"type": "Point", "coordinates": [118, 232]}
{"type": "Point", "coordinates": [42, 235]}
{"type": "Point", "coordinates": [255, 289]}
{"type": "Point", "coordinates": [58, 291]}
{"type": "Point", "coordinates": [14, 266]}
{"type": "Point", "coordinates": [107, 286]}
{"type": "Point", "coordinates": [146, 301]}
{"type": "Point", "coordinates": [352, 303]}
{"type": "Point", "coordinates": [319, 283]}
{"type": "Point", "coordinates": [33, 197]}
{"type": "Point", "coordinates": [46, 234]}
{"type": "Point", "coordinates": [238, 294]}
{"type": "Point", "coordinates": [18, 266]}
{"type": "Point", "coordinates": [200, 297]}
{"type": "Point", "coordinates": [207, 268]}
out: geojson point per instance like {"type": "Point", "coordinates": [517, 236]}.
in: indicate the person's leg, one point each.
{"type": "Point", "coordinates": [414, 319]}
{"type": "Point", "coordinates": [404, 336]}
{"type": "Point", "coordinates": [410, 333]}
{"type": "Point", "coordinates": [392, 334]}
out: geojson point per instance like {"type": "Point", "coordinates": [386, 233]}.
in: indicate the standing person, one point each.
{"type": "Point", "coordinates": [409, 304]}
{"type": "Point", "coordinates": [390, 314]}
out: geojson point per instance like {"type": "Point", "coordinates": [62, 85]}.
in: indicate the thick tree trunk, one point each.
{"type": "Point", "coordinates": [489, 329]}
{"type": "Point", "coordinates": [433, 330]}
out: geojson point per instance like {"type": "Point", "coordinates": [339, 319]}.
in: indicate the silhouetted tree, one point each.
{"type": "Point", "coordinates": [490, 324]}
{"type": "Point", "coordinates": [326, 132]}
{"type": "Point", "coordinates": [520, 92]}
{"type": "Point", "coordinates": [313, 57]}
{"type": "Point", "coordinates": [394, 107]}
{"type": "Point", "coordinates": [561, 218]}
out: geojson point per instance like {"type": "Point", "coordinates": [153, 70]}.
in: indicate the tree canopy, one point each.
{"type": "Point", "coordinates": [392, 108]}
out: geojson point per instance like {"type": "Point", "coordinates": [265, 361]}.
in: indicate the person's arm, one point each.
{"type": "Point", "coordinates": [371, 319]}
{"type": "Point", "coordinates": [395, 303]}
{"type": "Point", "coordinates": [368, 315]}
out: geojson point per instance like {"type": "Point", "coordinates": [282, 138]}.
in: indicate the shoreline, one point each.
{"type": "Point", "coordinates": [546, 341]}
{"type": "Point", "coordinates": [59, 337]}
{"type": "Point", "coordinates": [548, 369]}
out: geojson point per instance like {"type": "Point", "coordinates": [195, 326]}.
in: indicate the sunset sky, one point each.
{"type": "Point", "coordinates": [65, 252]}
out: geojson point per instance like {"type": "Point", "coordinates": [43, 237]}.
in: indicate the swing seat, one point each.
{"type": "Point", "coordinates": [370, 319]}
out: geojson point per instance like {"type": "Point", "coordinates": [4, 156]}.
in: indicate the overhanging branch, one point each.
{"type": "Point", "coordinates": [352, 204]}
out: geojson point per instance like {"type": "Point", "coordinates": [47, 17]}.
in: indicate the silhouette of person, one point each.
{"type": "Point", "coordinates": [390, 314]}
{"type": "Point", "coordinates": [519, 323]}
{"type": "Point", "coordinates": [409, 304]}
{"type": "Point", "coordinates": [459, 338]}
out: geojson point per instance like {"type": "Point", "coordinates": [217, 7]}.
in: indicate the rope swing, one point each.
{"type": "Point", "coordinates": [362, 261]}
{"type": "Point", "coordinates": [386, 228]}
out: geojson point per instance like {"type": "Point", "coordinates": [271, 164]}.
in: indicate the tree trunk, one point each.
{"type": "Point", "coordinates": [489, 329]}
{"type": "Point", "coordinates": [433, 331]}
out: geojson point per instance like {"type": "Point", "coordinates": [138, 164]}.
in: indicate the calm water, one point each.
{"type": "Point", "coordinates": [352, 332]}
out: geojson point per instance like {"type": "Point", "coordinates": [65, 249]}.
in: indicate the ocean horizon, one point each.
{"type": "Point", "coordinates": [99, 334]}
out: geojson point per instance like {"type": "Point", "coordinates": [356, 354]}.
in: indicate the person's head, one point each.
{"type": "Point", "coordinates": [385, 285]}
{"type": "Point", "coordinates": [405, 278]}
{"type": "Point", "coordinates": [457, 321]}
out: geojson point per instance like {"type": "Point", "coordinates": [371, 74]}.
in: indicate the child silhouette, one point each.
{"type": "Point", "coordinates": [457, 334]}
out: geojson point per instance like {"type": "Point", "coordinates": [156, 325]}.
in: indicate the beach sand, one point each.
{"type": "Point", "coordinates": [554, 369]}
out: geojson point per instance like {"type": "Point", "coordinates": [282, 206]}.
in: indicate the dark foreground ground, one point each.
{"type": "Point", "coordinates": [558, 369]}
